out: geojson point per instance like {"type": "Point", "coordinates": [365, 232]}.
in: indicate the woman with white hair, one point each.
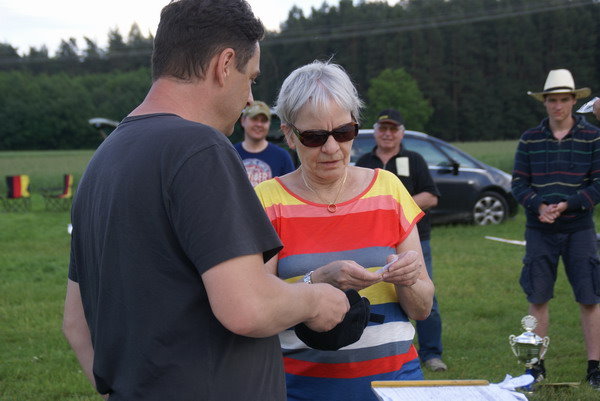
{"type": "Point", "coordinates": [340, 224]}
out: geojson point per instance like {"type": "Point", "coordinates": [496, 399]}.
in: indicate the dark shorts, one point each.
{"type": "Point", "coordinates": [580, 256]}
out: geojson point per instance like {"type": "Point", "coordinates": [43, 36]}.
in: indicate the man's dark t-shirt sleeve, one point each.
{"type": "Point", "coordinates": [235, 225]}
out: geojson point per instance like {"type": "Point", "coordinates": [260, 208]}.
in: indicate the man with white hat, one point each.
{"type": "Point", "coordinates": [556, 178]}
{"type": "Point", "coordinates": [262, 159]}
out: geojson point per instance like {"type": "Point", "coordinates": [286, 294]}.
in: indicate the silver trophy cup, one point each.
{"type": "Point", "coordinates": [528, 347]}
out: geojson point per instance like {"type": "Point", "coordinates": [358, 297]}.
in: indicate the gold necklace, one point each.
{"type": "Point", "coordinates": [331, 206]}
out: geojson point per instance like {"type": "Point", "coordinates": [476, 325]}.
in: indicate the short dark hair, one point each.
{"type": "Point", "coordinates": [192, 32]}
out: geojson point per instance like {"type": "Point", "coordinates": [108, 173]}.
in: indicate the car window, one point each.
{"type": "Point", "coordinates": [432, 155]}
{"type": "Point", "coordinates": [362, 144]}
{"type": "Point", "coordinates": [461, 158]}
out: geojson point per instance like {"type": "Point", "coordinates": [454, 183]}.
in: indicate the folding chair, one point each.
{"type": "Point", "coordinates": [59, 202]}
{"type": "Point", "coordinates": [18, 198]}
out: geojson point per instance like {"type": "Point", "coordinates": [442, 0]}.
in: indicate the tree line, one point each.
{"type": "Point", "coordinates": [472, 60]}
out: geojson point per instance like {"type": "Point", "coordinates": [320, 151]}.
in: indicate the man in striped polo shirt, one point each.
{"type": "Point", "coordinates": [556, 178]}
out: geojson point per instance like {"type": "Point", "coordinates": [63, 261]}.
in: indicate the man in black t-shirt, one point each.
{"type": "Point", "coordinates": [168, 297]}
{"type": "Point", "coordinates": [412, 170]}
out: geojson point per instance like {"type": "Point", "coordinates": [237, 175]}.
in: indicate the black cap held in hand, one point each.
{"type": "Point", "coordinates": [347, 332]}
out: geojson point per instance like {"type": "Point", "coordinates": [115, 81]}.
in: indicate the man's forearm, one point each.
{"type": "Point", "coordinates": [250, 302]}
{"type": "Point", "coordinates": [425, 200]}
{"type": "Point", "coordinates": [76, 330]}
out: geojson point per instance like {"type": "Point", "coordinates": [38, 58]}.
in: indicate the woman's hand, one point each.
{"type": "Point", "coordinates": [345, 275]}
{"type": "Point", "coordinates": [405, 271]}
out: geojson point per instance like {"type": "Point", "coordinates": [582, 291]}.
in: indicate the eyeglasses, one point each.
{"type": "Point", "coordinates": [387, 127]}
{"type": "Point", "coordinates": [314, 138]}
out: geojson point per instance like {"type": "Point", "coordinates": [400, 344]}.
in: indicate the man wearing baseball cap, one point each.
{"type": "Point", "coordinates": [262, 159]}
{"type": "Point", "coordinates": [556, 178]}
{"type": "Point", "coordinates": [412, 170]}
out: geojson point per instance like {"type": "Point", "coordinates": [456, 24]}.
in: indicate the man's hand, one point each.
{"type": "Point", "coordinates": [332, 306]}
{"type": "Point", "coordinates": [549, 213]}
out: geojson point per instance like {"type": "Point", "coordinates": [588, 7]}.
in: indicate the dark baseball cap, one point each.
{"type": "Point", "coordinates": [390, 116]}
{"type": "Point", "coordinates": [345, 333]}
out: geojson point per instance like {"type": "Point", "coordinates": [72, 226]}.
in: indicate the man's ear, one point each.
{"type": "Point", "coordinates": [225, 64]}
{"type": "Point", "coordinates": [287, 132]}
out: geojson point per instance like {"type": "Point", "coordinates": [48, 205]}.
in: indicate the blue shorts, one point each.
{"type": "Point", "coordinates": [580, 256]}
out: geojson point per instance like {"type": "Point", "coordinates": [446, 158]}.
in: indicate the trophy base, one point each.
{"type": "Point", "coordinates": [538, 371]}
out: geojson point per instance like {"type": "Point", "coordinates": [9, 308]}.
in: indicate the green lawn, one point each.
{"type": "Point", "coordinates": [45, 168]}
{"type": "Point", "coordinates": [499, 154]}
{"type": "Point", "coordinates": [482, 304]}
{"type": "Point", "coordinates": [476, 279]}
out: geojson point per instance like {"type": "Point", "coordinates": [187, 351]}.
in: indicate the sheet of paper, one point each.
{"type": "Point", "coordinates": [588, 106]}
{"type": "Point", "coordinates": [402, 166]}
{"type": "Point", "coordinates": [508, 241]}
{"type": "Point", "coordinates": [449, 393]}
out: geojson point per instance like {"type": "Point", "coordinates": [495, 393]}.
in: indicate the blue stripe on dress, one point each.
{"type": "Point", "coordinates": [391, 311]}
{"type": "Point", "coordinates": [298, 265]}
{"type": "Point", "coordinates": [350, 355]}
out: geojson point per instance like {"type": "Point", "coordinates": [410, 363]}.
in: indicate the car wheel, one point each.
{"type": "Point", "coordinates": [490, 208]}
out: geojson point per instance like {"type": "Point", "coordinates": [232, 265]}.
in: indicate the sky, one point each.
{"type": "Point", "coordinates": [33, 23]}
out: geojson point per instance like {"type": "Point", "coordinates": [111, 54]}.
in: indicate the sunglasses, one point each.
{"type": "Point", "coordinates": [387, 127]}
{"type": "Point", "coordinates": [314, 138]}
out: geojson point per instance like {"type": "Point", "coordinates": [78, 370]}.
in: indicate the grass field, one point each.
{"type": "Point", "coordinates": [476, 279]}
{"type": "Point", "coordinates": [499, 154]}
{"type": "Point", "coordinates": [45, 169]}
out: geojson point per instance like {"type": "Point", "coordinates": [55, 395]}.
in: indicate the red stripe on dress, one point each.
{"type": "Point", "coordinates": [349, 370]}
{"type": "Point", "coordinates": [360, 229]}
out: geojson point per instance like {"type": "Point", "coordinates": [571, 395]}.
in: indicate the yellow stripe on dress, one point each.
{"type": "Point", "coordinates": [380, 293]}
{"type": "Point", "coordinates": [270, 193]}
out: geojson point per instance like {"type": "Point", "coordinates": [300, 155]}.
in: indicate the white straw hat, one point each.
{"type": "Point", "coordinates": [560, 81]}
